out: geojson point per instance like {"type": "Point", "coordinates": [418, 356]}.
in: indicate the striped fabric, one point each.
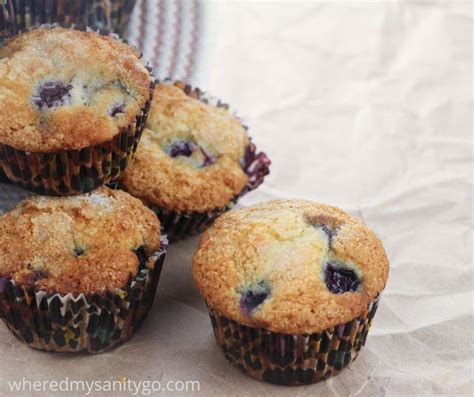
{"type": "Point", "coordinates": [171, 34]}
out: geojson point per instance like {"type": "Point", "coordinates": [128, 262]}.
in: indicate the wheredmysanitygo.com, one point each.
{"type": "Point", "coordinates": [87, 387]}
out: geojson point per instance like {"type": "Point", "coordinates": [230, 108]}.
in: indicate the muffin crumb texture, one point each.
{"type": "Point", "coordinates": [289, 266]}
{"type": "Point", "coordinates": [64, 89]}
{"type": "Point", "coordinates": [80, 244]}
{"type": "Point", "coordinates": [191, 155]}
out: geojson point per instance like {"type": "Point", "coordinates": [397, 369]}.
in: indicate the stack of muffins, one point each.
{"type": "Point", "coordinates": [77, 272]}
{"type": "Point", "coordinates": [121, 163]}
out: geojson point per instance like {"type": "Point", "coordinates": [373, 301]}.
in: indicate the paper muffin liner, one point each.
{"type": "Point", "coordinates": [20, 15]}
{"type": "Point", "coordinates": [90, 323]}
{"type": "Point", "coordinates": [285, 359]}
{"type": "Point", "coordinates": [255, 164]}
{"type": "Point", "coordinates": [70, 172]}
{"type": "Point", "coordinates": [3, 178]}
{"type": "Point", "coordinates": [185, 225]}
{"type": "Point", "coordinates": [120, 12]}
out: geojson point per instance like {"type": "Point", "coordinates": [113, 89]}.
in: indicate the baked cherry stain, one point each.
{"type": "Point", "coordinates": [187, 148]}
{"type": "Point", "coordinates": [208, 158]}
{"type": "Point", "coordinates": [253, 297]}
{"type": "Point", "coordinates": [117, 109]}
{"type": "Point", "coordinates": [52, 94]}
{"type": "Point", "coordinates": [327, 224]}
{"type": "Point", "coordinates": [339, 279]}
{"type": "Point", "coordinates": [182, 148]}
{"type": "Point", "coordinates": [78, 251]}
{"type": "Point", "coordinates": [36, 276]}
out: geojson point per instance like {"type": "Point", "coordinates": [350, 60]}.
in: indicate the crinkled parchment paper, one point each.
{"type": "Point", "coordinates": [365, 105]}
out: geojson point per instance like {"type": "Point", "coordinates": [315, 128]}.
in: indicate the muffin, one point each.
{"type": "Point", "coordinates": [78, 274]}
{"type": "Point", "coordinates": [18, 16]}
{"type": "Point", "coordinates": [72, 109]}
{"type": "Point", "coordinates": [194, 162]}
{"type": "Point", "coordinates": [292, 287]}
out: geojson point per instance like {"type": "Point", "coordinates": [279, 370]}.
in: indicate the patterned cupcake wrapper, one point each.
{"type": "Point", "coordinates": [69, 172]}
{"type": "Point", "coordinates": [292, 359]}
{"type": "Point", "coordinates": [83, 323]}
{"type": "Point", "coordinates": [20, 15]}
{"type": "Point", "coordinates": [185, 225]}
{"type": "Point", "coordinates": [256, 165]}
{"type": "Point", "coordinates": [120, 12]}
{"type": "Point", "coordinates": [3, 177]}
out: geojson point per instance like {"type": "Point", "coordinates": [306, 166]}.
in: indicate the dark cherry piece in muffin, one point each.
{"type": "Point", "coordinates": [72, 107]}
{"type": "Point", "coordinates": [195, 159]}
{"type": "Point", "coordinates": [296, 276]}
{"type": "Point", "coordinates": [94, 253]}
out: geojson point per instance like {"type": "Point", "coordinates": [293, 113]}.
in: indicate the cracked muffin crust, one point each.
{"type": "Point", "coordinates": [64, 89]}
{"type": "Point", "coordinates": [82, 244]}
{"type": "Point", "coordinates": [191, 155]}
{"type": "Point", "coordinates": [290, 266]}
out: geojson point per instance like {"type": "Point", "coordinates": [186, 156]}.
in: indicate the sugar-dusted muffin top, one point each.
{"type": "Point", "coordinates": [67, 89]}
{"type": "Point", "coordinates": [87, 243]}
{"type": "Point", "coordinates": [290, 266]}
{"type": "Point", "coordinates": [191, 154]}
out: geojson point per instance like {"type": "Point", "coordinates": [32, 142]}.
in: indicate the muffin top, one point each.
{"type": "Point", "coordinates": [64, 89]}
{"type": "Point", "coordinates": [80, 244]}
{"type": "Point", "coordinates": [191, 154]}
{"type": "Point", "coordinates": [290, 266]}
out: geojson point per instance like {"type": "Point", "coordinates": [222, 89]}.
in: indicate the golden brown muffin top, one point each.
{"type": "Point", "coordinates": [290, 266]}
{"type": "Point", "coordinates": [67, 89]}
{"type": "Point", "coordinates": [190, 157]}
{"type": "Point", "coordinates": [78, 244]}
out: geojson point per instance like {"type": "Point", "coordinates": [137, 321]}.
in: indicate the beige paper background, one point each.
{"type": "Point", "coordinates": [365, 105]}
